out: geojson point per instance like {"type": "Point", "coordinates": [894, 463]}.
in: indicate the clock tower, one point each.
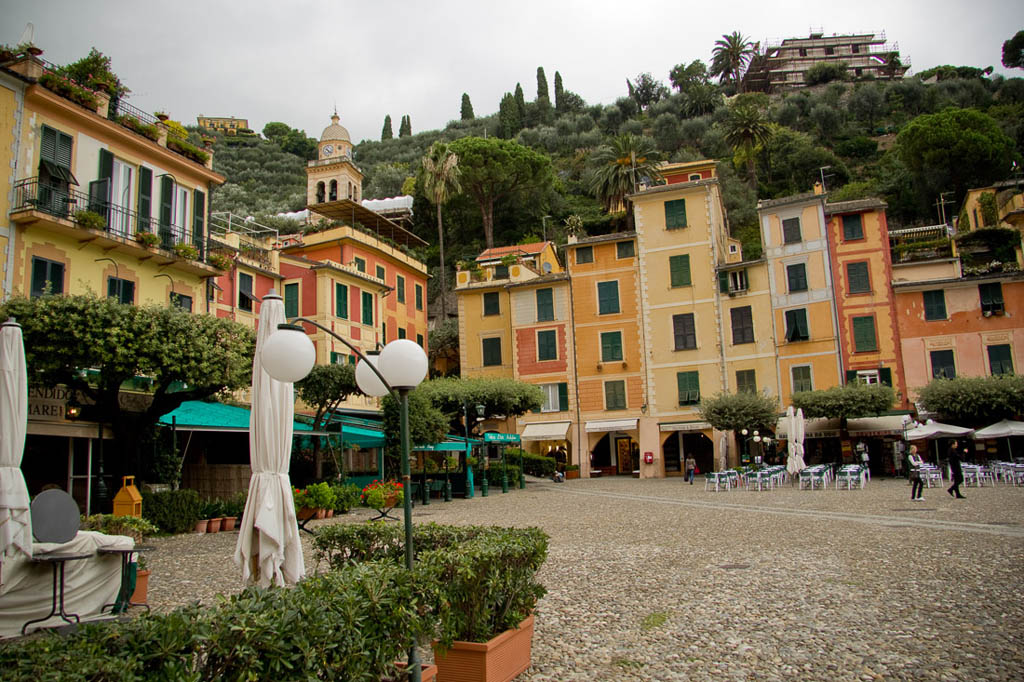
{"type": "Point", "coordinates": [333, 175]}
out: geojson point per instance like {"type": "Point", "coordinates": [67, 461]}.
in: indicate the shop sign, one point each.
{"type": "Point", "coordinates": [501, 437]}
{"type": "Point", "coordinates": [47, 403]}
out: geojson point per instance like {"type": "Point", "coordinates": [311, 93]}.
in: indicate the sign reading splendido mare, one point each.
{"type": "Point", "coordinates": [501, 437]}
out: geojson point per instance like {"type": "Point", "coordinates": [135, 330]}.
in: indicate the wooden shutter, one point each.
{"type": "Point", "coordinates": [885, 376]}
{"type": "Point", "coordinates": [864, 334]}
{"type": "Point", "coordinates": [291, 299]}
{"type": "Point", "coordinates": [145, 198]}
{"type": "Point", "coordinates": [367, 308]}
{"type": "Point", "coordinates": [106, 164]}
{"type": "Point", "coordinates": [723, 282]}
{"type": "Point", "coordinates": [166, 209]}
{"type": "Point", "coordinates": [340, 301]}
{"type": "Point", "coordinates": [859, 280]}
{"type": "Point", "coordinates": [63, 156]}
{"type": "Point", "coordinates": [608, 297]}
{"type": "Point", "coordinates": [679, 268]}
{"type": "Point", "coordinates": [852, 227]}
{"type": "Point", "coordinates": [563, 397]}
{"type": "Point", "coordinates": [99, 197]}
{"type": "Point", "coordinates": [48, 145]}
{"type": "Point", "coordinates": [199, 221]}
{"type": "Point", "coordinates": [851, 376]}
{"type": "Point", "coordinates": [675, 214]}
{"type": "Point", "coordinates": [545, 305]}
{"type": "Point", "coordinates": [791, 230]}
{"type": "Point", "coordinates": [611, 346]}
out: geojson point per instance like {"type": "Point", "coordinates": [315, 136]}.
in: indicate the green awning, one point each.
{"type": "Point", "coordinates": [449, 445]}
{"type": "Point", "coordinates": [364, 438]}
{"type": "Point", "coordinates": [196, 415]}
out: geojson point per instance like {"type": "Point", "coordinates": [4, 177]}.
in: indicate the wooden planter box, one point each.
{"type": "Point", "coordinates": [499, 660]}
{"type": "Point", "coordinates": [574, 473]}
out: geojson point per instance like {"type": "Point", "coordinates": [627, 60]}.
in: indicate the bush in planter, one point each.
{"type": "Point", "coordinates": [377, 493]}
{"type": "Point", "coordinates": [90, 220]}
{"type": "Point", "coordinates": [132, 526]}
{"type": "Point", "coordinates": [538, 465]}
{"type": "Point", "coordinates": [319, 496]}
{"type": "Point", "coordinates": [494, 472]}
{"type": "Point", "coordinates": [346, 497]}
{"type": "Point", "coordinates": [173, 511]}
{"type": "Point", "coordinates": [235, 505]}
{"type": "Point", "coordinates": [147, 238]}
{"type": "Point", "coordinates": [184, 250]}
{"type": "Point", "coordinates": [219, 261]}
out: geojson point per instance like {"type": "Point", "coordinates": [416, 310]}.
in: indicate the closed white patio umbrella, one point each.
{"type": "Point", "coordinates": [795, 443]}
{"type": "Point", "coordinates": [933, 429]}
{"type": "Point", "coordinates": [269, 550]}
{"type": "Point", "coordinates": [15, 519]}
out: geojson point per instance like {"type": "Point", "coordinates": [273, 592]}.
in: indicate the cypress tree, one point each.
{"type": "Point", "coordinates": [509, 121]}
{"type": "Point", "coordinates": [387, 133]}
{"type": "Point", "coordinates": [467, 108]}
{"type": "Point", "coordinates": [405, 129]}
{"type": "Point", "coordinates": [520, 103]}
{"type": "Point", "coordinates": [542, 84]}
{"type": "Point", "coordinates": [559, 94]}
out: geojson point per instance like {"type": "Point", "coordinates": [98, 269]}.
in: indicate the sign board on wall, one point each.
{"type": "Point", "coordinates": [501, 437]}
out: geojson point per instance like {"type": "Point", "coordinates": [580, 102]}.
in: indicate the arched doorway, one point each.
{"type": "Point", "coordinates": [615, 453]}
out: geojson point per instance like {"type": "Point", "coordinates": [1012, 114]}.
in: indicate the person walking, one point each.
{"type": "Point", "coordinates": [916, 482]}
{"type": "Point", "coordinates": [691, 466]}
{"type": "Point", "coordinates": [956, 471]}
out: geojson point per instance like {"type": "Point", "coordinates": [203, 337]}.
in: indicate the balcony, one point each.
{"type": "Point", "coordinates": [112, 226]}
{"type": "Point", "coordinates": [914, 244]}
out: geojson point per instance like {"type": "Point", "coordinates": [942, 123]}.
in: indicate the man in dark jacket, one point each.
{"type": "Point", "coordinates": [956, 471]}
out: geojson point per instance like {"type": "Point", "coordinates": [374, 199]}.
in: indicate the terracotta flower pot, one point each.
{"type": "Point", "coordinates": [574, 473]}
{"type": "Point", "coordinates": [499, 660]}
{"type": "Point", "coordinates": [214, 526]}
{"type": "Point", "coordinates": [321, 513]}
{"type": "Point", "coordinates": [141, 592]}
{"type": "Point", "coordinates": [201, 525]}
{"type": "Point", "coordinates": [330, 513]}
{"type": "Point", "coordinates": [305, 513]}
{"type": "Point", "coordinates": [228, 523]}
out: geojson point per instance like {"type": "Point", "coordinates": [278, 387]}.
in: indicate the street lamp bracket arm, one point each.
{"type": "Point", "coordinates": [294, 325]}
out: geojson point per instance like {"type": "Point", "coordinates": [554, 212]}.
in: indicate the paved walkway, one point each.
{"type": "Point", "coordinates": [660, 580]}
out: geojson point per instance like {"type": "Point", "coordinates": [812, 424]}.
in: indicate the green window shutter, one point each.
{"type": "Point", "coordinates": [1000, 359]}
{"type": "Point", "coordinates": [624, 250]}
{"type": "Point", "coordinates": [885, 376]}
{"type": "Point", "coordinates": [851, 376]}
{"type": "Point", "coordinates": [291, 300]}
{"type": "Point", "coordinates": [801, 378]}
{"type": "Point", "coordinates": [684, 331]}
{"type": "Point", "coordinates": [615, 395]}
{"type": "Point", "coordinates": [796, 274]}
{"type": "Point", "coordinates": [607, 297]}
{"type": "Point", "coordinates": [106, 164]}
{"type": "Point", "coordinates": [584, 254]}
{"type": "Point", "coordinates": [675, 214]}
{"type": "Point", "coordinates": [352, 360]}
{"type": "Point", "coordinates": [381, 273]}
{"type": "Point", "coordinates": [112, 290]}
{"type": "Point", "coordinates": [611, 346]}
{"type": "Point", "coordinates": [547, 345]}
{"type": "Point", "coordinates": [401, 332]}
{"type": "Point", "coordinates": [492, 352]}
{"type": "Point", "coordinates": [400, 286]}
{"type": "Point", "coordinates": [864, 334]}
{"type": "Point", "coordinates": [360, 264]}
{"type": "Point", "coordinates": [742, 325]}
{"type": "Point", "coordinates": [934, 304]}
{"type": "Point", "coordinates": [858, 278]}
{"type": "Point", "coordinates": [166, 204]}
{"type": "Point", "coordinates": [384, 331]}
{"type": "Point", "coordinates": [545, 305]}
{"type": "Point", "coordinates": [48, 145]}
{"type": "Point", "coordinates": [341, 302]}
{"type": "Point", "coordinates": [337, 358]}
{"type": "Point", "coordinates": [679, 270]}
{"type": "Point", "coordinates": [368, 308]}
{"type": "Point", "coordinates": [689, 387]}
{"type": "Point", "coordinates": [563, 397]}
{"type": "Point", "coordinates": [199, 221]}
{"type": "Point", "coordinates": [492, 305]}
{"type": "Point", "coordinates": [419, 340]}
{"type": "Point", "coordinates": [853, 228]}
{"type": "Point", "coordinates": [64, 145]}
{"type": "Point", "coordinates": [791, 230]}
{"type": "Point", "coordinates": [723, 282]}
{"type": "Point", "coordinates": [500, 272]}
{"type": "Point", "coordinates": [419, 297]}
{"type": "Point", "coordinates": [796, 325]}
{"type": "Point", "coordinates": [145, 205]}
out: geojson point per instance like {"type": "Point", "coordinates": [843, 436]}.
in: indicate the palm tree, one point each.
{"type": "Point", "coordinates": [619, 166]}
{"type": "Point", "coordinates": [730, 57]}
{"type": "Point", "coordinates": [440, 176]}
{"type": "Point", "coordinates": [746, 129]}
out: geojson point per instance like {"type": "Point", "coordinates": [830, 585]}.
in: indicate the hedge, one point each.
{"type": "Point", "coordinates": [173, 511]}
{"type": "Point", "coordinates": [538, 465]}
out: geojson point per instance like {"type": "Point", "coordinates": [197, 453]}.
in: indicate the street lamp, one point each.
{"type": "Point", "coordinates": [485, 487]}
{"type": "Point", "coordinates": [289, 355]}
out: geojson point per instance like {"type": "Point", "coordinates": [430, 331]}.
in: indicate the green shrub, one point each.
{"type": "Point", "coordinates": [538, 465]}
{"type": "Point", "coordinates": [211, 509]}
{"type": "Point", "coordinates": [857, 147]}
{"type": "Point", "coordinates": [90, 220]}
{"type": "Point", "coordinates": [132, 526]}
{"type": "Point", "coordinates": [826, 72]}
{"type": "Point", "coordinates": [173, 511]}
{"type": "Point", "coordinates": [235, 505]}
{"type": "Point", "coordinates": [346, 497]}
{"type": "Point", "coordinates": [494, 472]}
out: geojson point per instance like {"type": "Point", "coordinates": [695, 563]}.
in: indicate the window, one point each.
{"type": "Point", "coordinates": [181, 301]}
{"type": "Point", "coordinates": [367, 308]}
{"type": "Point", "coordinates": [694, 176]}
{"type": "Point", "coordinates": [419, 297]}
{"type": "Point", "coordinates": [491, 303]}
{"type": "Point", "coordinates": [934, 305]}
{"type": "Point", "coordinates": [742, 325]}
{"type": "Point", "coordinates": [830, 50]}
{"type": "Point", "coordinates": [360, 264]}
{"type": "Point", "coordinates": [625, 250]}
{"type": "Point", "coordinates": [337, 358]}
{"type": "Point", "coordinates": [685, 331]}
{"type": "Point", "coordinates": [801, 378]}
{"type": "Point", "coordinates": [401, 332]}
{"type": "Point", "coordinates": [853, 227]}
{"type": "Point", "coordinates": [943, 364]}
{"type": "Point", "coordinates": [611, 346]}
{"type": "Point", "coordinates": [689, 387]}
{"type": "Point", "coordinates": [796, 325]}
{"type": "Point", "coordinates": [47, 277]}
{"type": "Point", "coordinates": [584, 254]}
{"type": "Point", "coordinates": [746, 381]}
{"type": "Point", "coordinates": [492, 351]}
{"type": "Point", "coordinates": [556, 397]}
{"type": "Point", "coordinates": [796, 274]}
{"type": "Point", "coordinates": [1000, 360]}
{"type": "Point", "coordinates": [500, 272]}
{"type": "Point", "coordinates": [419, 340]}
{"type": "Point", "coordinates": [340, 301]}
{"type": "Point", "coordinates": [123, 290]}
{"type": "Point", "coordinates": [545, 305]}
{"type": "Point", "coordinates": [866, 377]}
{"type": "Point", "coordinates": [291, 299]}
{"type": "Point", "coordinates": [400, 287]}
{"type": "Point", "coordinates": [791, 230]}
{"type": "Point", "coordinates": [547, 345]}
{"type": "Point", "coordinates": [675, 214]}
{"type": "Point", "coordinates": [858, 278]}
{"type": "Point", "coordinates": [679, 270]}
{"type": "Point", "coordinates": [245, 297]}
{"type": "Point", "coordinates": [615, 395]}
{"type": "Point", "coordinates": [856, 50]}
{"type": "Point", "coordinates": [607, 297]}
{"type": "Point", "coordinates": [991, 298]}
{"type": "Point", "coordinates": [381, 274]}
{"type": "Point", "coordinates": [803, 51]}
{"type": "Point", "coordinates": [864, 334]}
{"type": "Point", "coordinates": [738, 280]}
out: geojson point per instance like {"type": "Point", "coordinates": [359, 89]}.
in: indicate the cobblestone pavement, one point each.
{"type": "Point", "coordinates": [660, 580]}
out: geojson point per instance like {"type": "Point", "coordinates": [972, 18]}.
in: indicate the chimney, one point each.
{"type": "Point", "coordinates": [818, 188]}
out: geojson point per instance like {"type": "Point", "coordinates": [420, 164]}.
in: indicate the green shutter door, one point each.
{"type": "Point", "coordinates": [723, 282]}
{"type": "Point", "coordinates": [199, 221]}
{"type": "Point", "coordinates": [166, 210]}
{"type": "Point", "coordinates": [675, 214]}
{"type": "Point", "coordinates": [48, 145]}
{"type": "Point", "coordinates": [145, 198]}
{"type": "Point", "coordinates": [341, 301]}
{"type": "Point", "coordinates": [563, 397]}
{"type": "Point", "coordinates": [106, 164]}
{"type": "Point", "coordinates": [367, 308]}
{"type": "Point", "coordinates": [885, 376]}
{"type": "Point", "coordinates": [291, 300]}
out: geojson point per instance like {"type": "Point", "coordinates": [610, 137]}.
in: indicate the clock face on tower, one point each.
{"type": "Point", "coordinates": [328, 149]}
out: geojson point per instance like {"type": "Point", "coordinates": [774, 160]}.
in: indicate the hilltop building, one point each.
{"type": "Point", "coordinates": [866, 55]}
{"type": "Point", "coordinates": [227, 125]}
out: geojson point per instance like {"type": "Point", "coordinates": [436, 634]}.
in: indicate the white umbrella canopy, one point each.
{"type": "Point", "coordinates": [15, 519]}
{"type": "Point", "coordinates": [933, 429]}
{"type": "Point", "coordinates": [269, 550]}
{"type": "Point", "coordinates": [795, 462]}
{"type": "Point", "coordinates": [1003, 429]}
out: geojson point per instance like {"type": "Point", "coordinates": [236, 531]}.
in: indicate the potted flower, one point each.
{"type": "Point", "coordinates": [572, 471]}
{"type": "Point", "coordinates": [212, 511]}
{"type": "Point", "coordinates": [320, 497]}
{"type": "Point", "coordinates": [383, 495]}
{"type": "Point", "coordinates": [90, 220]}
{"type": "Point", "coordinates": [234, 507]}
{"type": "Point", "coordinates": [185, 250]}
{"type": "Point", "coordinates": [147, 239]}
{"type": "Point", "coordinates": [219, 261]}
{"type": "Point", "coordinates": [303, 509]}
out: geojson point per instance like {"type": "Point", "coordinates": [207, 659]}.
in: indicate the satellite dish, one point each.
{"type": "Point", "coordinates": [547, 268]}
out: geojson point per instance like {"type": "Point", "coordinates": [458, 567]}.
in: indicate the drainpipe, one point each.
{"type": "Point", "coordinates": [576, 374]}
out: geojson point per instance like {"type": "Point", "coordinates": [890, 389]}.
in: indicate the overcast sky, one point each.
{"type": "Point", "coordinates": [294, 60]}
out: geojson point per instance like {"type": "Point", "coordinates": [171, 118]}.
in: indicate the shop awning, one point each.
{"type": "Point", "coordinates": [449, 445]}
{"type": "Point", "coordinates": [813, 428]}
{"type": "Point", "coordinates": [684, 426]}
{"type": "Point", "coordinates": [364, 438]}
{"type": "Point", "coordinates": [886, 425]}
{"type": "Point", "coordinates": [196, 415]}
{"type": "Point", "coordinates": [546, 431]}
{"type": "Point", "coordinates": [611, 425]}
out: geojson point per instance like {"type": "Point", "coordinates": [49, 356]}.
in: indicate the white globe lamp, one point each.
{"type": "Point", "coordinates": [368, 382]}
{"type": "Point", "coordinates": [403, 363]}
{"type": "Point", "coordinates": [288, 355]}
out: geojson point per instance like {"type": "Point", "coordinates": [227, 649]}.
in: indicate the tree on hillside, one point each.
{"type": "Point", "coordinates": [747, 129]}
{"type": "Point", "coordinates": [542, 84]}
{"type": "Point", "coordinates": [323, 389]}
{"type": "Point", "coordinates": [405, 129]}
{"type": "Point", "coordinates": [387, 133]}
{"type": "Point", "coordinates": [275, 130]}
{"type": "Point", "coordinates": [187, 357]}
{"type": "Point", "coordinates": [440, 176]}
{"type": "Point", "coordinates": [544, 109]}
{"type": "Point", "coordinates": [683, 78]}
{"type": "Point", "coordinates": [620, 166]}
{"type": "Point", "coordinates": [1013, 51]}
{"type": "Point", "coordinates": [520, 101]}
{"type": "Point", "coordinates": [493, 169]}
{"type": "Point", "coordinates": [646, 90]}
{"type": "Point", "coordinates": [559, 94]}
{"type": "Point", "coordinates": [955, 149]}
{"type": "Point", "coordinates": [510, 121]}
{"type": "Point", "coordinates": [466, 113]}
{"type": "Point", "coordinates": [730, 57]}
{"type": "Point", "coordinates": [974, 401]}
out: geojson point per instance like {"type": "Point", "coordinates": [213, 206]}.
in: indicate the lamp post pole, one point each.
{"type": "Point", "coordinates": [522, 474]}
{"type": "Point", "coordinates": [504, 472]}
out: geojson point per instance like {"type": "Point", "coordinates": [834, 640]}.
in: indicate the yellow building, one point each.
{"type": "Point", "coordinates": [229, 125]}
{"type": "Point", "coordinates": [793, 231]}
{"type": "Point", "coordinates": [1005, 206]}
{"type": "Point", "coordinates": [12, 98]}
